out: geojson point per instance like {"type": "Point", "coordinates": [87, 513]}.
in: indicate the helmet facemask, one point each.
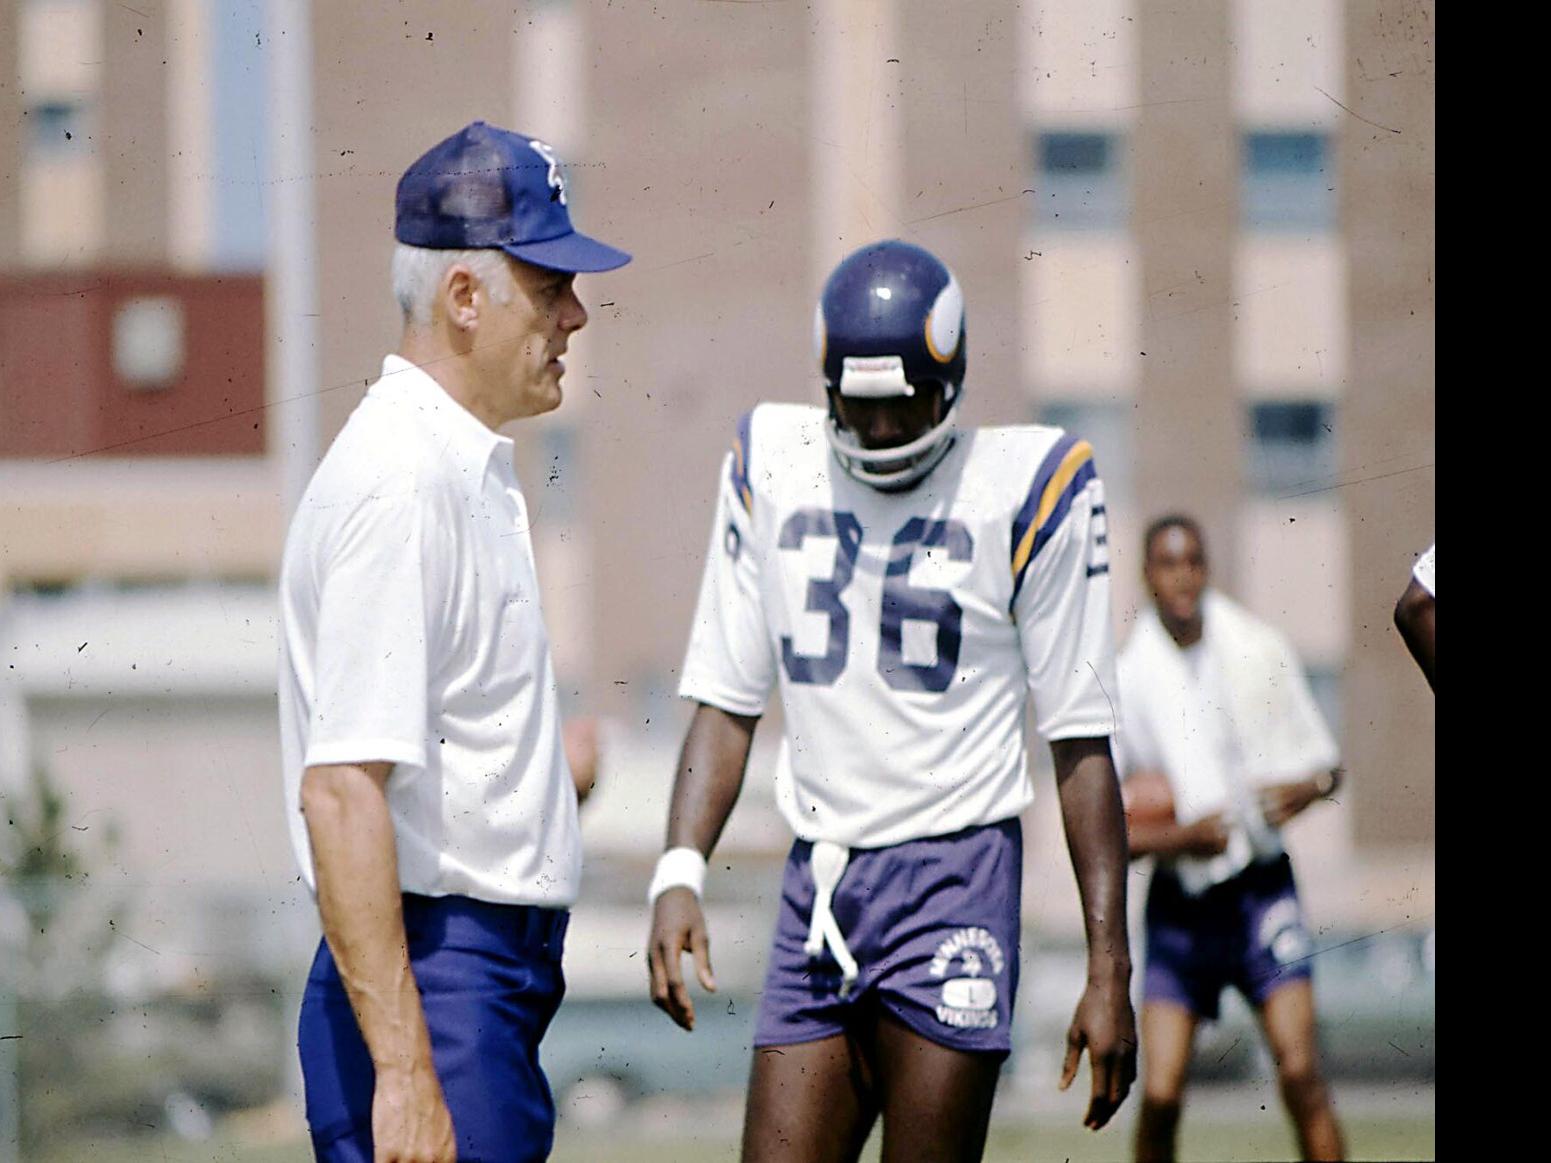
{"type": "Point", "coordinates": [892, 442]}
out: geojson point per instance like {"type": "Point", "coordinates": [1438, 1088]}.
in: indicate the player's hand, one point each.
{"type": "Point", "coordinates": [1281, 802]}
{"type": "Point", "coordinates": [1207, 836]}
{"type": "Point", "coordinates": [678, 927]}
{"type": "Point", "coordinates": [410, 1120]}
{"type": "Point", "coordinates": [1104, 1026]}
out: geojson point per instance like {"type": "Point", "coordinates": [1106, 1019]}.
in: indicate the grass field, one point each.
{"type": "Point", "coordinates": [1227, 1124]}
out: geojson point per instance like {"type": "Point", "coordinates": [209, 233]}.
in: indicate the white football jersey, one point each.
{"type": "Point", "coordinates": [904, 628]}
{"type": "Point", "coordinates": [1426, 570]}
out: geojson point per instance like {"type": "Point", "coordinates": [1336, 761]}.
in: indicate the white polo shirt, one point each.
{"type": "Point", "coordinates": [411, 632]}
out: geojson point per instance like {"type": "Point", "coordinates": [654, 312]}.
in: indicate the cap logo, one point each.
{"type": "Point", "coordinates": [554, 177]}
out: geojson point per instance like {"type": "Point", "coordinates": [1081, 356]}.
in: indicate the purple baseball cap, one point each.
{"type": "Point", "coordinates": [485, 187]}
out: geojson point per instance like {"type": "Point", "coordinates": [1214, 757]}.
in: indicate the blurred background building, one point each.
{"type": "Point", "coordinates": [1200, 234]}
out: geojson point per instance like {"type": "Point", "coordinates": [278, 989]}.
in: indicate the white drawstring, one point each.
{"type": "Point", "coordinates": [828, 861]}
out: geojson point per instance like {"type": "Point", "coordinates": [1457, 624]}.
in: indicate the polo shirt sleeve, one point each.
{"type": "Point", "coordinates": [730, 662]}
{"type": "Point", "coordinates": [373, 636]}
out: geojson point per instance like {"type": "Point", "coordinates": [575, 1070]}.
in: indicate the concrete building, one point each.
{"type": "Point", "coordinates": [1199, 234]}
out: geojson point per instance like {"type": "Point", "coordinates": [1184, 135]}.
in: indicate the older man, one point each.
{"type": "Point", "coordinates": [432, 810]}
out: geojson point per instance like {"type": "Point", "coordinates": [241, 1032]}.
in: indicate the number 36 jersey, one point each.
{"type": "Point", "coordinates": [907, 629]}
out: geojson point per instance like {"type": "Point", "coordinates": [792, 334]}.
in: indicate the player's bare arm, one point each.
{"type": "Point", "coordinates": [1104, 1024]}
{"type": "Point", "coordinates": [580, 739]}
{"type": "Point", "coordinates": [359, 901]}
{"type": "Point", "coordinates": [1282, 801]}
{"type": "Point", "coordinates": [1151, 827]}
{"type": "Point", "coordinates": [709, 778]}
{"type": "Point", "coordinates": [1415, 614]}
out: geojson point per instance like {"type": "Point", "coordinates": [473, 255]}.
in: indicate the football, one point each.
{"type": "Point", "coordinates": [1147, 798]}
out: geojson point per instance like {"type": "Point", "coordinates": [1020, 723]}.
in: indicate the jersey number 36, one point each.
{"type": "Point", "coordinates": [901, 601]}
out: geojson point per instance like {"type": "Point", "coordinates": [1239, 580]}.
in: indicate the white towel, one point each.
{"type": "Point", "coordinates": [1247, 721]}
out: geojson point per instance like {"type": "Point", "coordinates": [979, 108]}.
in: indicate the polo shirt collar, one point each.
{"type": "Point", "coordinates": [445, 421]}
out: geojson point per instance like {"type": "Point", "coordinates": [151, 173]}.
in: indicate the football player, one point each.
{"type": "Point", "coordinates": [907, 586]}
{"type": "Point", "coordinates": [1416, 614]}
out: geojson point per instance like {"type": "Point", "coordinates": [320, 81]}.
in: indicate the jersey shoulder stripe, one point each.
{"type": "Point", "coordinates": [1065, 472]}
{"type": "Point", "coordinates": [740, 463]}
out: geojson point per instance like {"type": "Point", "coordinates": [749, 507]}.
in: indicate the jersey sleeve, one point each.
{"type": "Point", "coordinates": [1060, 600]}
{"type": "Point", "coordinates": [730, 662]}
{"type": "Point", "coordinates": [1425, 571]}
{"type": "Point", "coordinates": [373, 636]}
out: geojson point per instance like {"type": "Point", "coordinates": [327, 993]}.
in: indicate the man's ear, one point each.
{"type": "Point", "coordinates": [458, 297]}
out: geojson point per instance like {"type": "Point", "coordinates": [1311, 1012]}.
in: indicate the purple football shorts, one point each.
{"type": "Point", "coordinates": [934, 928]}
{"type": "Point", "coordinates": [1246, 932]}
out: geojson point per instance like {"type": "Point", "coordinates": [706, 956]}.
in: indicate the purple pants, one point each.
{"type": "Point", "coordinates": [1246, 932]}
{"type": "Point", "coordinates": [934, 927]}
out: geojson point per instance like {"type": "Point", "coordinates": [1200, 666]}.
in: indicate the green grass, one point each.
{"type": "Point", "coordinates": [677, 1135]}
{"type": "Point", "coordinates": [1235, 1143]}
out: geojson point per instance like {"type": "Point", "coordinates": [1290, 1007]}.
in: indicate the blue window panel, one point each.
{"type": "Point", "coordinates": [1107, 426]}
{"type": "Point", "coordinates": [561, 466]}
{"type": "Point", "coordinates": [1325, 686]}
{"type": "Point", "coordinates": [1291, 446]}
{"type": "Point", "coordinates": [239, 79]}
{"type": "Point", "coordinates": [1287, 182]}
{"type": "Point", "coordinates": [1079, 182]}
{"type": "Point", "coordinates": [59, 128]}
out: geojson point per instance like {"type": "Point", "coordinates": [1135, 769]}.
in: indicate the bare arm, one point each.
{"type": "Point", "coordinates": [1096, 839]}
{"type": "Point", "coordinates": [580, 738]}
{"type": "Point", "coordinates": [1414, 615]}
{"type": "Point", "coordinates": [1282, 801]}
{"type": "Point", "coordinates": [359, 900]}
{"type": "Point", "coordinates": [1207, 836]}
{"type": "Point", "coordinates": [710, 775]}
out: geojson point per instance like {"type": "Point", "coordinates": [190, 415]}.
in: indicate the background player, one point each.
{"type": "Point", "coordinates": [1415, 613]}
{"type": "Point", "coordinates": [906, 587]}
{"type": "Point", "coordinates": [1218, 711]}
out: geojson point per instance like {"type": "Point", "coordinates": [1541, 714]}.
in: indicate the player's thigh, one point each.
{"type": "Point", "coordinates": [1287, 1018]}
{"type": "Point", "coordinates": [1168, 1031]}
{"type": "Point", "coordinates": [936, 1101]}
{"type": "Point", "coordinates": [808, 1102]}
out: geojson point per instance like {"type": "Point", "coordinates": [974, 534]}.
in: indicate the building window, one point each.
{"type": "Point", "coordinates": [561, 468]}
{"type": "Point", "coordinates": [1291, 446]}
{"type": "Point", "coordinates": [58, 128]}
{"type": "Point", "coordinates": [1325, 686]}
{"type": "Point", "coordinates": [1104, 424]}
{"type": "Point", "coordinates": [1078, 183]}
{"type": "Point", "coordinates": [1288, 182]}
{"type": "Point", "coordinates": [148, 342]}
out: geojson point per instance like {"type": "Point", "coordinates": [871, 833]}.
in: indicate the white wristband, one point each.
{"type": "Point", "coordinates": [677, 867]}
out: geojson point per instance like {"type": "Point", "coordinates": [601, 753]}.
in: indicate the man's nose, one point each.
{"type": "Point", "coordinates": [574, 317]}
{"type": "Point", "coordinates": [886, 427]}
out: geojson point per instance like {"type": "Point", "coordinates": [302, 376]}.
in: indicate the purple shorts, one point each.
{"type": "Point", "coordinates": [934, 927]}
{"type": "Point", "coordinates": [1247, 932]}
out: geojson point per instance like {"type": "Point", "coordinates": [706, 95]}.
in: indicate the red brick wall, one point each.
{"type": "Point", "coordinates": [60, 396]}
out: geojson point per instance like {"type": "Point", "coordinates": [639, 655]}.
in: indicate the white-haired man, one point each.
{"type": "Point", "coordinates": [432, 809]}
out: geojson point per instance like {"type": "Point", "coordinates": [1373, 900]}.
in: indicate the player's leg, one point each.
{"type": "Point", "coordinates": [936, 1101]}
{"type": "Point", "coordinates": [809, 1102]}
{"type": "Point", "coordinates": [1276, 978]}
{"type": "Point", "coordinates": [1188, 965]}
{"type": "Point", "coordinates": [1287, 1017]}
{"type": "Point", "coordinates": [1168, 1031]}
